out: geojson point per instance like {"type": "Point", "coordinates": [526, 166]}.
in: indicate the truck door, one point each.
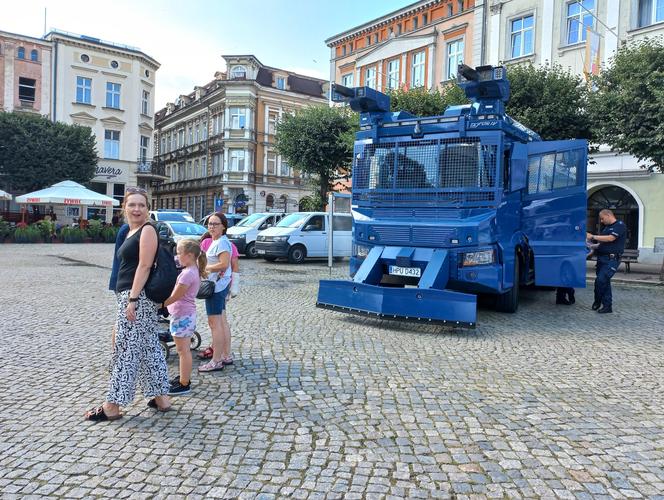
{"type": "Point", "coordinates": [554, 211]}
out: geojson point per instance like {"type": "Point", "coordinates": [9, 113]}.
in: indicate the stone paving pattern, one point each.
{"type": "Point", "coordinates": [553, 401]}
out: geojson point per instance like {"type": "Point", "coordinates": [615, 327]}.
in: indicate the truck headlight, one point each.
{"type": "Point", "coordinates": [481, 258]}
{"type": "Point", "coordinates": [237, 236]}
{"type": "Point", "coordinates": [361, 251]}
{"type": "Point", "coordinates": [279, 239]}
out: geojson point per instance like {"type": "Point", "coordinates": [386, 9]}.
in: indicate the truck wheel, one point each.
{"type": "Point", "coordinates": [509, 301]}
{"type": "Point", "coordinates": [297, 254]}
{"type": "Point", "coordinates": [250, 251]}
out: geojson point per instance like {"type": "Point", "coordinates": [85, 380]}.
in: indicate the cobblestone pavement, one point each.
{"type": "Point", "coordinates": [551, 401]}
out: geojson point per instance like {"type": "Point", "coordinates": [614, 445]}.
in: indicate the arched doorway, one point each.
{"type": "Point", "coordinates": [269, 202]}
{"type": "Point", "coordinates": [241, 204]}
{"type": "Point", "coordinates": [624, 207]}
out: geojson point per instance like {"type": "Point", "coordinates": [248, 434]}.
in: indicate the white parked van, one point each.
{"type": "Point", "coordinates": [305, 234]}
{"type": "Point", "coordinates": [244, 233]}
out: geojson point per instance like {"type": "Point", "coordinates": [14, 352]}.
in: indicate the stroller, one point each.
{"type": "Point", "coordinates": [166, 339]}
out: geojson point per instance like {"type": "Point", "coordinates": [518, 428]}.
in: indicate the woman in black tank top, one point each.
{"type": "Point", "coordinates": [137, 357]}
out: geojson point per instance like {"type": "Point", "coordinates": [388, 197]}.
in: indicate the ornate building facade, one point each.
{"type": "Point", "coordinates": [215, 145]}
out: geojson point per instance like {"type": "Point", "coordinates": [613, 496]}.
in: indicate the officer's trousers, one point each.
{"type": "Point", "coordinates": [604, 270]}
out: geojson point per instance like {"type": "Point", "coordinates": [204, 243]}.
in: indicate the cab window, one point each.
{"type": "Point", "coordinates": [315, 223]}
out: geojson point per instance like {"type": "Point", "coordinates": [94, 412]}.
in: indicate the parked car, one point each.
{"type": "Point", "coordinates": [171, 214]}
{"type": "Point", "coordinates": [305, 234]}
{"type": "Point", "coordinates": [244, 233]}
{"type": "Point", "coordinates": [232, 219]}
{"type": "Point", "coordinates": [171, 232]}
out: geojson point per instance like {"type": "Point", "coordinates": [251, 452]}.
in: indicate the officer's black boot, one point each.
{"type": "Point", "coordinates": [570, 296]}
{"type": "Point", "coordinates": [596, 305]}
{"type": "Point", "coordinates": [605, 309]}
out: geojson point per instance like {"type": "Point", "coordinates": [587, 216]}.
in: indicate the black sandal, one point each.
{"type": "Point", "coordinates": [153, 404]}
{"type": "Point", "coordinates": [99, 415]}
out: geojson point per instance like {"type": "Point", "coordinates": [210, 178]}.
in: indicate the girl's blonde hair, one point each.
{"type": "Point", "coordinates": [193, 247]}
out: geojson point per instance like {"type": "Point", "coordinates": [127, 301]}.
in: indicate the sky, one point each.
{"type": "Point", "coordinates": [189, 37]}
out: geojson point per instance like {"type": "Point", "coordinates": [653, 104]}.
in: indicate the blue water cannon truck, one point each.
{"type": "Point", "coordinates": [446, 208]}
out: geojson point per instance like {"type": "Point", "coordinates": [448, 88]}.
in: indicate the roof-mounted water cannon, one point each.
{"type": "Point", "coordinates": [486, 85]}
{"type": "Point", "coordinates": [361, 99]}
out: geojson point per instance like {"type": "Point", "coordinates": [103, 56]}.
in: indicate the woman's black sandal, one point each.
{"type": "Point", "coordinates": [99, 415]}
{"type": "Point", "coordinates": [153, 404]}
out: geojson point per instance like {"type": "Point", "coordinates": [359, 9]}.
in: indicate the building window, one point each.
{"type": "Point", "coordinates": [285, 168]}
{"type": "Point", "coordinates": [370, 78]}
{"type": "Point", "coordinates": [114, 64]}
{"type": "Point", "coordinates": [34, 56]}
{"type": "Point", "coordinates": [162, 148]}
{"type": "Point", "coordinates": [271, 164]}
{"type": "Point", "coordinates": [189, 173]}
{"type": "Point", "coordinates": [204, 166]}
{"type": "Point", "coordinates": [415, 23]}
{"type": "Point", "coordinates": [238, 72]}
{"type": "Point", "coordinates": [196, 171]}
{"type": "Point", "coordinates": [83, 90]}
{"type": "Point", "coordinates": [238, 118]}
{"type": "Point", "coordinates": [578, 19]}
{"type": "Point", "coordinates": [347, 80]}
{"type": "Point", "coordinates": [26, 89]}
{"type": "Point", "coordinates": [217, 121]}
{"type": "Point", "coordinates": [425, 19]}
{"type": "Point", "coordinates": [343, 50]}
{"type": "Point", "coordinates": [217, 162]}
{"type": "Point", "coordinates": [450, 10]}
{"type": "Point", "coordinates": [459, 6]}
{"type": "Point", "coordinates": [398, 28]}
{"type": "Point", "coordinates": [272, 119]}
{"type": "Point", "coordinates": [393, 74]}
{"type": "Point", "coordinates": [20, 53]}
{"type": "Point", "coordinates": [204, 131]}
{"type": "Point", "coordinates": [368, 40]}
{"type": "Point", "coordinates": [650, 12]}
{"type": "Point", "coordinates": [143, 149]}
{"type": "Point", "coordinates": [376, 39]}
{"type": "Point", "coordinates": [269, 201]}
{"type": "Point", "coordinates": [112, 144]}
{"type": "Point", "coordinates": [145, 103]}
{"type": "Point", "coordinates": [197, 127]}
{"type": "Point", "coordinates": [417, 75]}
{"type": "Point", "coordinates": [112, 95]}
{"type": "Point", "coordinates": [281, 83]}
{"type": "Point", "coordinates": [180, 143]}
{"type": "Point", "coordinates": [237, 160]}
{"type": "Point", "coordinates": [454, 58]}
{"type": "Point", "coordinates": [85, 58]}
{"type": "Point", "coordinates": [521, 38]}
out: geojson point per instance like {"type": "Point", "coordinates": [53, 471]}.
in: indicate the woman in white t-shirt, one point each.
{"type": "Point", "coordinates": [219, 267]}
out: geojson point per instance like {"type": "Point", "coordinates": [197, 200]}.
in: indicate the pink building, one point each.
{"type": "Point", "coordinates": [25, 74]}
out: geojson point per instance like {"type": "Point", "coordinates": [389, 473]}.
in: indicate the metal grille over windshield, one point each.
{"type": "Point", "coordinates": [455, 170]}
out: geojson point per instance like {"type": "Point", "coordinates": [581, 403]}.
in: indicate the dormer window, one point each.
{"type": "Point", "coordinates": [238, 72]}
{"type": "Point", "coordinates": [281, 83]}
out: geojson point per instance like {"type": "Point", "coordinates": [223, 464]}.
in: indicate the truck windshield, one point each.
{"type": "Point", "coordinates": [293, 220]}
{"type": "Point", "coordinates": [431, 165]}
{"type": "Point", "coordinates": [250, 221]}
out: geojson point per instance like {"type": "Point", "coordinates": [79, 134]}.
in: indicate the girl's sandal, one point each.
{"type": "Point", "coordinates": [153, 404]}
{"type": "Point", "coordinates": [99, 415]}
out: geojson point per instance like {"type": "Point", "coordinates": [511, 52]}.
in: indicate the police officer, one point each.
{"type": "Point", "coordinates": [611, 246]}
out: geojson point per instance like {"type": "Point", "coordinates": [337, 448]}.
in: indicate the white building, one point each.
{"type": "Point", "coordinates": [547, 31]}
{"type": "Point", "coordinates": [110, 88]}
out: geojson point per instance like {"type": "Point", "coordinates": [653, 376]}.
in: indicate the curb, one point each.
{"type": "Point", "coordinates": [635, 282]}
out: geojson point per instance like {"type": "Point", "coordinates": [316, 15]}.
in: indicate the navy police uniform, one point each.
{"type": "Point", "coordinates": [608, 260]}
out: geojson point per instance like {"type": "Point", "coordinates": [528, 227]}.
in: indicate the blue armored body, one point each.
{"type": "Point", "coordinates": [452, 206]}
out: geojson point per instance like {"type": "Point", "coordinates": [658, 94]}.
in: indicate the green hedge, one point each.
{"type": "Point", "coordinates": [30, 234]}
{"type": "Point", "coordinates": [72, 234]}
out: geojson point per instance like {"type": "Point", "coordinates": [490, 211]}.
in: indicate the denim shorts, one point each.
{"type": "Point", "coordinates": [217, 303]}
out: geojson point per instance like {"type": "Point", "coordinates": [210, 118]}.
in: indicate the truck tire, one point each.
{"type": "Point", "coordinates": [250, 251]}
{"type": "Point", "coordinates": [508, 302]}
{"type": "Point", "coordinates": [297, 254]}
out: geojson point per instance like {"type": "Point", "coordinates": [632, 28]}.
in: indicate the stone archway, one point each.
{"type": "Point", "coordinates": [624, 206]}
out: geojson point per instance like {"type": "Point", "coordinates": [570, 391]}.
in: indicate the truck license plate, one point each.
{"type": "Point", "coordinates": [405, 271]}
{"type": "Point", "coordinates": [260, 252]}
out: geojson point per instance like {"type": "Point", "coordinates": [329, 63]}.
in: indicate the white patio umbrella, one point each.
{"type": "Point", "coordinates": [67, 193]}
{"type": "Point", "coordinates": [4, 195]}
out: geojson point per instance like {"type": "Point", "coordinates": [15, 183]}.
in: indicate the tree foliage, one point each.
{"type": "Point", "coordinates": [424, 102]}
{"type": "Point", "coordinates": [35, 152]}
{"type": "Point", "coordinates": [550, 101]}
{"type": "Point", "coordinates": [318, 140]}
{"type": "Point", "coordinates": [627, 106]}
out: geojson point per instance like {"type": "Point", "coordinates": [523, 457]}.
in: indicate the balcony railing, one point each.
{"type": "Point", "coordinates": [149, 168]}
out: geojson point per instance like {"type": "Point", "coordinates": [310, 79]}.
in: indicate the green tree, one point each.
{"type": "Point", "coordinates": [627, 106]}
{"type": "Point", "coordinates": [318, 141]}
{"type": "Point", "coordinates": [424, 102]}
{"type": "Point", "coordinates": [550, 101]}
{"type": "Point", "coordinates": [35, 152]}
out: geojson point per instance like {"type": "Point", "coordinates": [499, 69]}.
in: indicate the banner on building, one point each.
{"type": "Point", "coordinates": [591, 63]}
